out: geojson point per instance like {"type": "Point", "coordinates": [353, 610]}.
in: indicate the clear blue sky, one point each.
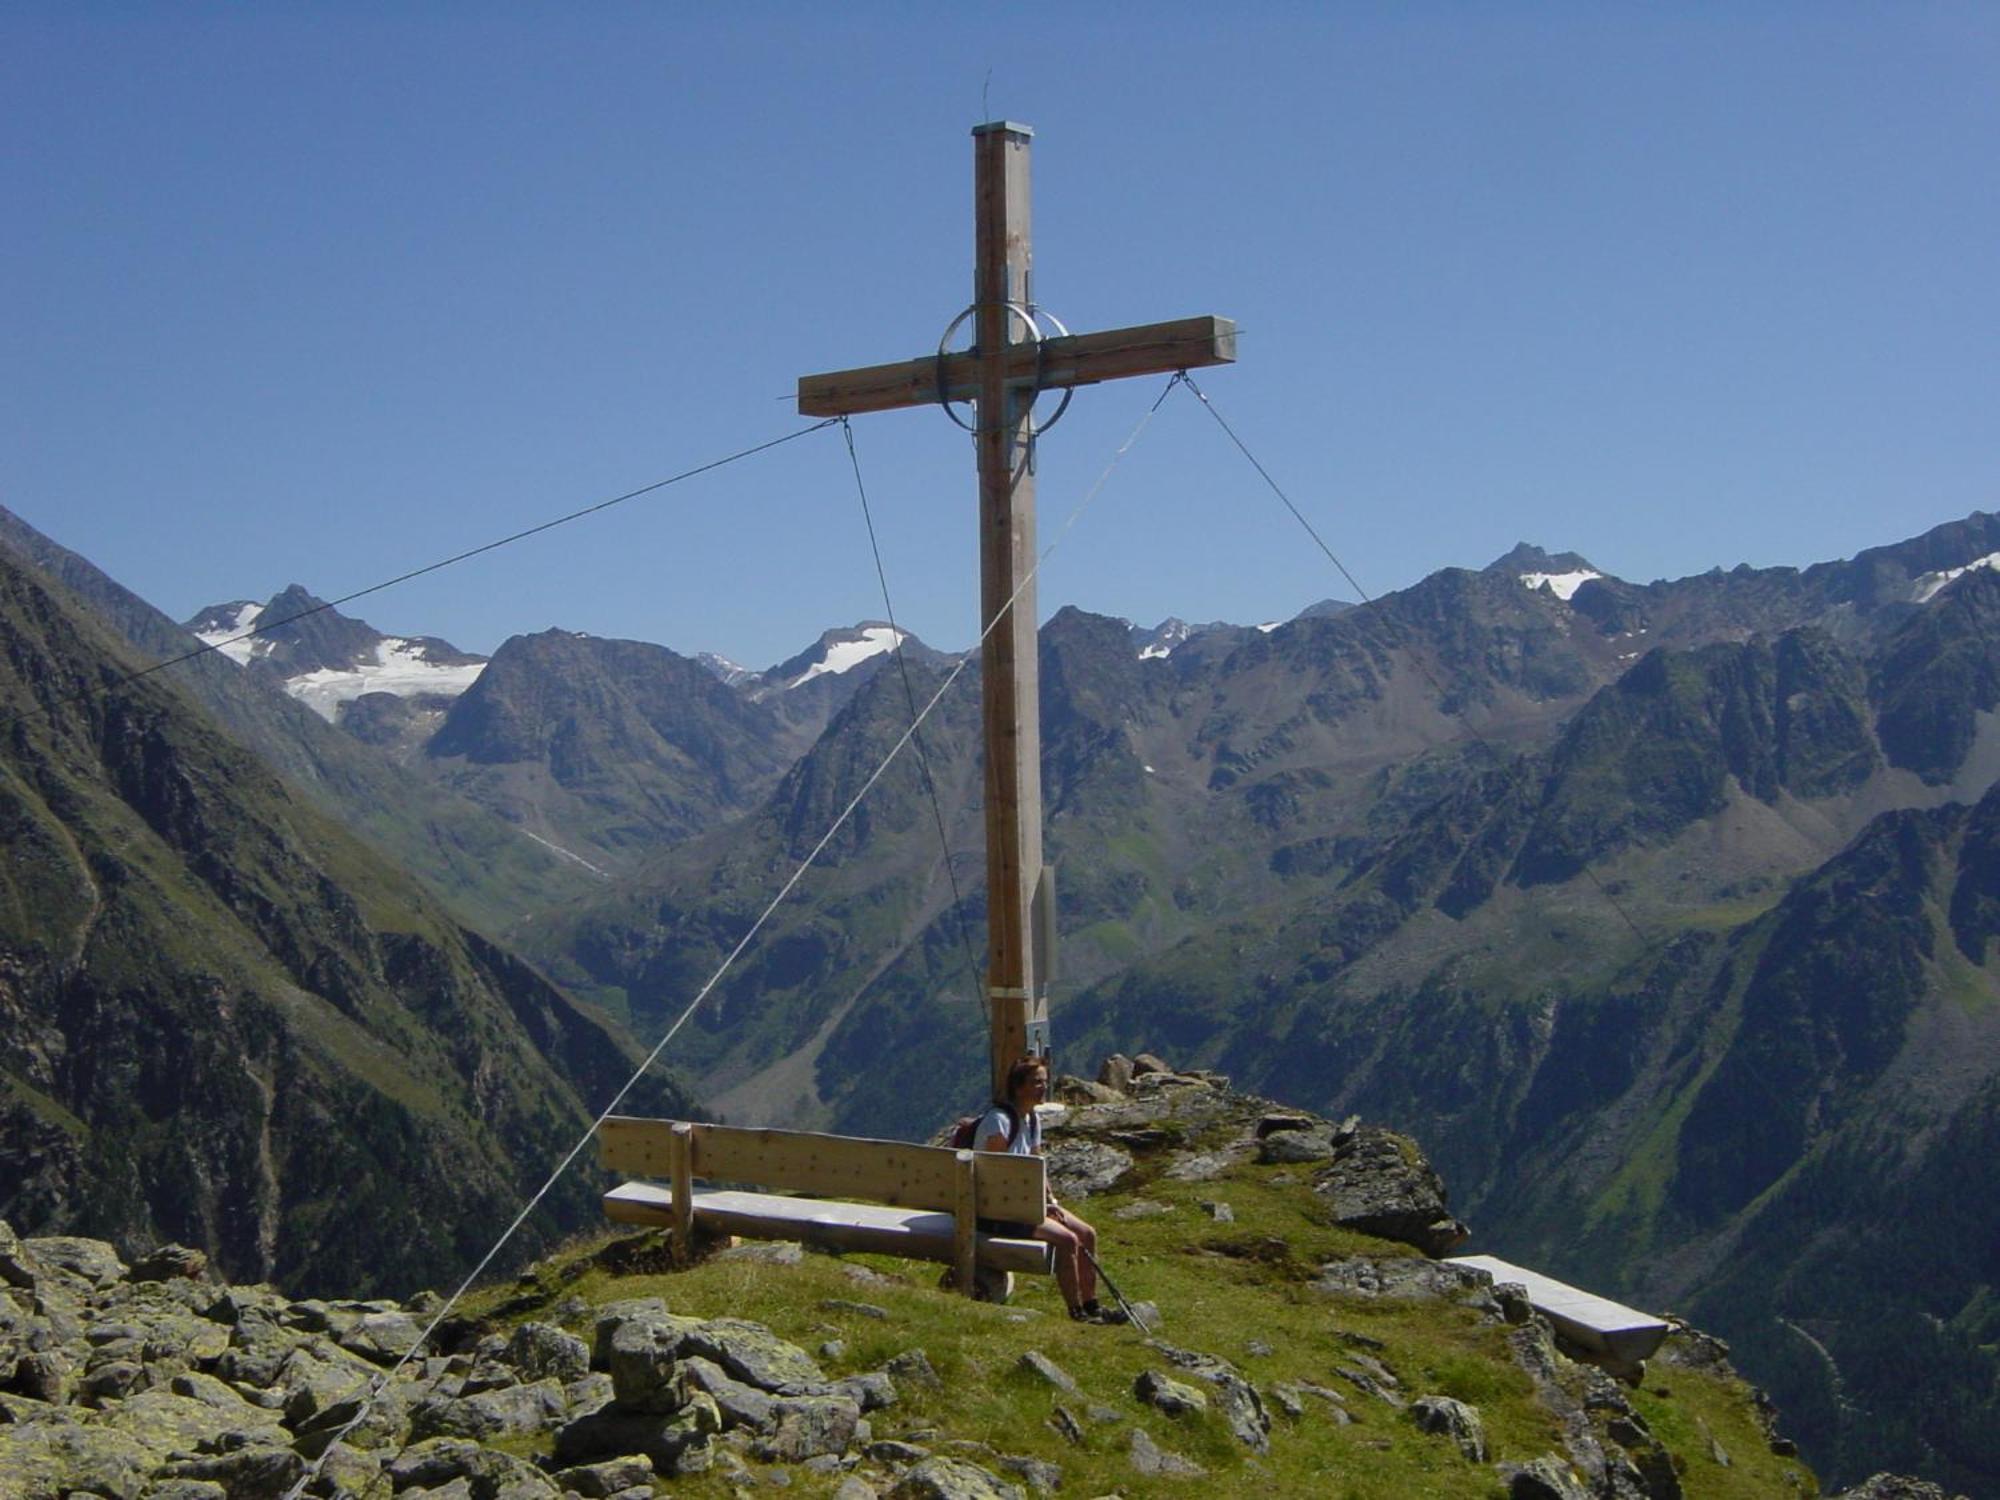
{"type": "Point", "coordinates": [316, 293]}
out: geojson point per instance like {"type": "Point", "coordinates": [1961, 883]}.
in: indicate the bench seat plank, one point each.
{"type": "Point", "coordinates": [917, 1234]}
{"type": "Point", "coordinates": [1582, 1317]}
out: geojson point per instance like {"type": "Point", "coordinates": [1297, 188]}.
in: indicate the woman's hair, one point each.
{"type": "Point", "coordinates": [1020, 1072]}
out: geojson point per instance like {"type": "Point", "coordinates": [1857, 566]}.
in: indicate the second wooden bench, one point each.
{"type": "Point", "coordinates": [841, 1192]}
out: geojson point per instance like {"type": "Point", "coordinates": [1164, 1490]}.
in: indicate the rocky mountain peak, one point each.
{"type": "Point", "coordinates": [328, 660]}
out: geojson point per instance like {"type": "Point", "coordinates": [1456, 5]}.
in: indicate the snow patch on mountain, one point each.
{"type": "Point", "coordinates": [728, 672]}
{"type": "Point", "coordinates": [228, 621]}
{"type": "Point", "coordinates": [1562, 585]}
{"type": "Point", "coordinates": [1163, 638]}
{"type": "Point", "coordinates": [400, 667]}
{"type": "Point", "coordinates": [1930, 585]}
{"type": "Point", "coordinates": [846, 655]}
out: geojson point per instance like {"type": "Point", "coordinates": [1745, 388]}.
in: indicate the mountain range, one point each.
{"type": "Point", "coordinates": [229, 1022]}
{"type": "Point", "coordinates": [1658, 912]}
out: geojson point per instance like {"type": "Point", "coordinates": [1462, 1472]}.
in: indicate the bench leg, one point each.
{"type": "Point", "coordinates": [965, 1244]}
{"type": "Point", "coordinates": [680, 1165]}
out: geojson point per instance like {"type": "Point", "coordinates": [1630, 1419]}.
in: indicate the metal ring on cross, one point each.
{"type": "Point", "coordinates": [1027, 313]}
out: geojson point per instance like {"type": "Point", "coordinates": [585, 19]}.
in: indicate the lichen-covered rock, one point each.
{"type": "Point", "coordinates": [48, 1460]}
{"type": "Point", "coordinates": [602, 1480]}
{"type": "Point", "coordinates": [169, 1262]}
{"type": "Point", "coordinates": [93, 1261]}
{"type": "Point", "coordinates": [1379, 1183]}
{"type": "Point", "coordinates": [753, 1354]}
{"type": "Point", "coordinates": [1235, 1398]}
{"type": "Point", "coordinates": [383, 1337]}
{"type": "Point", "coordinates": [804, 1427]}
{"type": "Point", "coordinates": [541, 1351]}
{"type": "Point", "coordinates": [165, 1423]}
{"type": "Point", "coordinates": [486, 1473]}
{"type": "Point", "coordinates": [249, 1473]}
{"type": "Point", "coordinates": [1294, 1146]}
{"type": "Point", "coordinates": [1078, 1168]}
{"type": "Point", "coordinates": [1169, 1396]}
{"type": "Point", "coordinates": [1039, 1475]}
{"type": "Point", "coordinates": [1452, 1418]}
{"type": "Point", "coordinates": [17, 1262]}
{"type": "Point", "coordinates": [641, 1350]}
{"type": "Point", "coordinates": [1894, 1487]}
{"type": "Point", "coordinates": [1547, 1478]}
{"type": "Point", "coordinates": [1406, 1276]}
{"type": "Point", "coordinates": [941, 1478]}
{"type": "Point", "coordinates": [509, 1411]}
{"type": "Point", "coordinates": [677, 1443]}
{"type": "Point", "coordinates": [871, 1390]}
{"type": "Point", "coordinates": [740, 1405]}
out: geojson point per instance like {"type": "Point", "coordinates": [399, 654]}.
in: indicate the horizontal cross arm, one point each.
{"type": "Point", "coordinates": [1053, 364]}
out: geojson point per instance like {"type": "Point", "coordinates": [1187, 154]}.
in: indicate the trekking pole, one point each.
{"type": "Point", "coordinates": [1105, 1276]}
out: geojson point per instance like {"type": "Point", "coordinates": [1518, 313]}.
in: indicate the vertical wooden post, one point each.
{"type": "Point", "coordinates": [680, 1168]}
{"type": "Point", "coordinates": [965, 1228]}
{"type": "Point", "coordinates": [1003, 275]}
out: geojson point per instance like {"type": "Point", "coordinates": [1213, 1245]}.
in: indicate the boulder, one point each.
{"type": "Point", "coordinates": [169, 1262]}
{"type": "Point", "coordinates": [1073, 1090]}
{"type": "Point", "coordinates": [1400, 1276]}
{"type": "Point", "coordinates": [484, 1473]}
{"type": "Point", "coordinates": [1547, 1478]}
{"type": "Point", "coordinates": [1039, 1475]}
{"type": "Point", "coordinates": [871, 1390]}
{"type": "Point", "coordinates": [250, 1473]}
{"type": "Point", "coordinates": [1169, 1396]}
{"type": "Point", "coordinates": [601, 1480]}
{"type": "Point", "coordinates": [1078, 1168]}
{"type": "Point", "coordinates": [1893, 1487]}
{"type": "Point", "coordinates": [805, 1427]}
{"type": "Point", "coordinates": [1381, 1184]}
{"type": "Point", "coordinates": [1453, 1419]}
{"type": "Point", "coordinates": [17, 1262]}
{"type": "Point", "coordinates": [383, 1337]}
{"type": "Point", "coordinates": [543, 1351]}
{"type": "Point", "coordinates": [641, 1351]}
{"type": "Point", "coordinates": [507, 1412]}
{"type": "Point", "coordinates": [753, 1354]}
{"type": "Point", "coordinates": [1296, 1146]}
{"type": "Point", "coordinates": [676, 1444]}
{"type": "Point", "coordinates": [93, 1261]}
{"type": "Point", "coordinates": [1040, 1365]}
{"type": "Point", "coordinates": [952, 1479]}
{"type": "Point", "coordinates": [44, 1460]}
{"type": "Point", "coordinates": [740, 1405]}
{"type": "Point", "coordinates": [1150, 1459]}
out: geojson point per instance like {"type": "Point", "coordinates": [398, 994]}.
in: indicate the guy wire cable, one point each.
{"type": "Point", "coordinates": [376, 1384]}
{"type": "Point", "coordinates": [910, 698]}
{"type": "Point", "coordinates": [1500, 764]}
{"type": "Point", "coordinates": [263, 626]}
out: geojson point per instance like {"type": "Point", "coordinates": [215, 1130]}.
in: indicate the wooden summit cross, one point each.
{"type": "Point", "coordinates": [1009, 362]}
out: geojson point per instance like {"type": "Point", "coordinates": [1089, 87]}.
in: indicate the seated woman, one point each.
{"type": "Point", "coordinates": [1012, 1126]}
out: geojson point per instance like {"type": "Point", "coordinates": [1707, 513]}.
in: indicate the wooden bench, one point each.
{"type": "Point", "coordinates": [842, 1192]}
{"type": "Point", "coordinates": [1620, 1337]}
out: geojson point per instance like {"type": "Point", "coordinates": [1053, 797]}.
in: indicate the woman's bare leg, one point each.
{"type": "Point", "coordinates": [1070, 1267]}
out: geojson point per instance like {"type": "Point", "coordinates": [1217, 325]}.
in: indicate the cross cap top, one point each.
{"type": "Point", "coordinates": [1004, 127]}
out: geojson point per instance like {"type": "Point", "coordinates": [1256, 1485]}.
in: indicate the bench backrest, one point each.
{"type": "Point", "coordinates": [830, 1166]}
